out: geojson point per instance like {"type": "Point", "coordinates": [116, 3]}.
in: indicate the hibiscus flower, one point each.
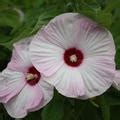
{"type": "Point", "coordinates": [76, 55]}
{"type": "Point", "coordinates": [22, 87]}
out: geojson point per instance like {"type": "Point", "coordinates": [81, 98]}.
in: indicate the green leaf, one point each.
{"type": "Point", "coordinates": [30, 3]}
{"type": "Point", "coordinates": [33, 116]}
{"type": "Point", "coordinates": [3, 114]}
{"type": "Point", "coordinates": [117, 58]}
{"type": "Point", "coordinates": [112, 97]}
{"type": "Point", "coordinates": [5, 33]}
{"type": "Point", "coordinates": [104, 19]}
{"type": "Point", "coordinates": [95, 11]}
{"type": "Point", "coordinates": [54, 110]}
{"type": "Point", "coordinates": [4, 57]}
{"type": "Point", "coordinates": [9, 18]}
{"type": "Point", "coordinates": [43, 19]}
{"type": "Point", "coordinates": [111, 5]}
{"type": "Point", "coordinates": [84, 110]}
{"type": "Point", "coordinates": [105, 108]}
{"type": "Point", "coordinates": [115, 112]}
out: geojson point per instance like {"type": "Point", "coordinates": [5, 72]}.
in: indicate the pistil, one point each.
{"type": "Point", "coordinates": [73, 58]}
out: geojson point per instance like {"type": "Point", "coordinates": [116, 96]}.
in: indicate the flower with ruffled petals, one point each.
{"type": "Point", "coordinates": [22, 87]}
{"type": "Point", "coordinates": [76, 54]}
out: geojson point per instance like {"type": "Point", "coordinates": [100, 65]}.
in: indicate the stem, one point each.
{"type": "Point", "coordinates": [20, 13]}
{"type": "Point", "coordinates": [94, 104]}
{"type": "Point", "coordinates": [105, 108]}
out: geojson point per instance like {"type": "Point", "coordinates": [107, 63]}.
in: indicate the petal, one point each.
{"type": "Point", "coordinates": [20, 60]}
{"type": "Point", "coordinates": [92, 39]}
{"type": "Point", "coordinates": [46, 58]}
{"type": "Point", "coordinates": [11, 84]}
{"type": "Point", "coordinates": [59, 30]}
{"type": "Point", "coordinates": [116, 83]}
{"type": "Point", "coordinates": [29, 98]}
{"type": "Point", "coordinates": [68, 82]}
{"type": "Point", "coordinates": [48, 45]}
{"type": "Point", "coordinates": [48, 92]}
{"type": "Point", "coordinates": [97, 74]}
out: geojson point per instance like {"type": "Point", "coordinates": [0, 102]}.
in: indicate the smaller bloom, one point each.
{"type": "Point", "coordinates": [22, 87]}
{"type": "Point", "coordinates": [116, 83]}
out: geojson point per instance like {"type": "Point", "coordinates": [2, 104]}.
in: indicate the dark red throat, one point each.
{"type": "Point", "coordinates": [73, 57]}
{"type": "Point", "coordinates": [32, 70]}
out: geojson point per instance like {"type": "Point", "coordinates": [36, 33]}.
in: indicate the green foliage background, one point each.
{"type": "Point", "coordinates": [22, 18]}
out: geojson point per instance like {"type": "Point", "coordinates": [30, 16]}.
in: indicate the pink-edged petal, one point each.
{"type": "Point", "coordinates": [68, 82]}
{"type": "Point", "coordinates": [48, 92]}
{"type": "Point", "coordinates": [29, 98]}
{"type": "Point", "coordinates": [116, 82]}
{"type": "Point", "coordinates": [92, 39]}
{"type": "Point", "coordinates": [48, 45]}
{"type": "Point", "coordinates": [11, 83]}
{"type": "Point", "coordinates": [59, 30]}
{"type": "Point", "coordinates": [46, 58]}
{"type": "Point", "coordinates": [20, 60]}
{"type": "Point", "coordinates": [98, 74]}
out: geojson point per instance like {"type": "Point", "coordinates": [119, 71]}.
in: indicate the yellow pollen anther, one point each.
{"type": "Point", "coordinates": [30, 76]}
{"type": "Point", "coordinates": [73, 58]}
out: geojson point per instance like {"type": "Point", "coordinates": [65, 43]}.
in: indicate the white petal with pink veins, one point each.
{"type": "Point", "coordinates": [97, 74]}
{"type": "Point", "coordinates": [92, 39]}
{"type": "Point", "coordinates": [29, 98]}
{"type": "Point", "coordinates": [48, 92]}
{"type": "Point", "coordinates": [68, 82]}
{"type": "Point", "coordinates": [47, 58]}
{"type": "Point", "coordinates": [11, 83]}
{"type": "Point", "coordinates": [20, 60]}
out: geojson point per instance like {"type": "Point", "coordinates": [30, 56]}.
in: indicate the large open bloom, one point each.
{"type": "Point", "coordinates": [76, 54]}
{"type": "Point", "coordinates": [22, 87]}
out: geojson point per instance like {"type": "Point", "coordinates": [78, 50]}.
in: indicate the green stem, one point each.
{"type": "Point", "coordinates": [105, 108]}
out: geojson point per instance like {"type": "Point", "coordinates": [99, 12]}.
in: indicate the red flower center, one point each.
{"type": "Point", "coordinates": [73, 57]}
{"type": "Point", "coordinates": [33, 76]}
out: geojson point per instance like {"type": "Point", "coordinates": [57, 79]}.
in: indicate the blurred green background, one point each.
{"type": "Point", "coordinates": [22, 18]}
